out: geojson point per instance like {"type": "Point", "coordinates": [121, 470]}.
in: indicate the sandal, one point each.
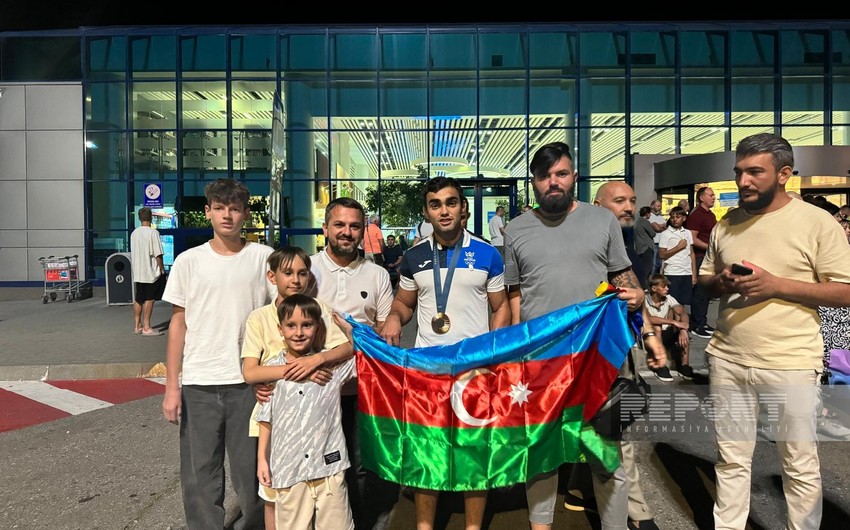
{"type": "Point", "coordinates": [137, 331]}
{"type": "Point", "coordinates": [153, 333]}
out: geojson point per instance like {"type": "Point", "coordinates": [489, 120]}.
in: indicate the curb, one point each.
{"type": "Point", "coordinates": [81, 371]}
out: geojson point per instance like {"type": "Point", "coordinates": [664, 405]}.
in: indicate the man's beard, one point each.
{"type": "Point", "coordinates": [343, 252]}
{"type": "Point", "coordinates": [555, 204]}
{"type": "Point", "coordinates": [762, 201]}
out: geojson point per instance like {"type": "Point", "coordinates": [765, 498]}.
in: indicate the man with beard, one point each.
{"type": "Point", "coordinates": [350, 284]}
{"type": "Point", "coordinates": [767, 344]}
{"type": "Point", "coordinates": [620, 198]}
{"type": "Point", "coordinates": [555, 256]}
{"type": "Point", "coordinates": [700, 222]}
{"type": "Point", "coordinates": [466, 300]}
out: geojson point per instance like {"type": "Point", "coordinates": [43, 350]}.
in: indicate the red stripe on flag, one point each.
{"type": "Point", "coordinates": [113, 391]}
{"type": "Point", "coordinates": [19, 411]}
{"type": "Point", "coordinates": [491, 397]}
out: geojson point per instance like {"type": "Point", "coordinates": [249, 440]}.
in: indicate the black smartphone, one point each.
{"type": "Point", "coordinates": [741, 270]}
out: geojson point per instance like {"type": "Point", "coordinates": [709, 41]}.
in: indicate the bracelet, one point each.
{"type": "Point", "coordinates": [647, 334]}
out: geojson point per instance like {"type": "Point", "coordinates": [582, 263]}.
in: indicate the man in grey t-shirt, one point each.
{"type": "Point", "coordinates": [555, 256]}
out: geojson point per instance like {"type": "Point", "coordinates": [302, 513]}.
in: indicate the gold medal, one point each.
{"type": "Point", "coordinates": [441, 323]}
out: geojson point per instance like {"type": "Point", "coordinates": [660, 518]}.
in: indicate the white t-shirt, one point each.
{"type": "Point", "coordinates": [145, 246]}
{"type": "Point", "coordinates": [496, 237]}
{"type": "Point", "coordinates": [657, 219]}
{"type": "Point", "coordinates": [662, 310]}
{"type": "Point", "coordinates": [218, 293]}
{"type": "Point", "coordinates": [679, 264]}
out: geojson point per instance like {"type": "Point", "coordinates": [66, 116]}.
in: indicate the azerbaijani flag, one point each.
{"type": "Point", "coordinates": [492, 410]}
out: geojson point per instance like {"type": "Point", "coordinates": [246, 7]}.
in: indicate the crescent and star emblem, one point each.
{"type": "Point", "coordinates": [519, 394]}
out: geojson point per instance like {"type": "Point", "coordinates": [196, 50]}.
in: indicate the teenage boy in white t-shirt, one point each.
{"type": "Point", "coordinates": [212, 288]}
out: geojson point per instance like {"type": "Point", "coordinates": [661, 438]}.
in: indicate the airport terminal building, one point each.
{"type": "Point", "coordinates": [97, 122]}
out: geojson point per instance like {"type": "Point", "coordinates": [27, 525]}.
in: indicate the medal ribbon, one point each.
{"type": "Point", "coordinates": [442, 295]}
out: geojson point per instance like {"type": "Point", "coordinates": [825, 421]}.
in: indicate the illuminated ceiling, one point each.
{"type": "Point", "coordinates": [494, 146]}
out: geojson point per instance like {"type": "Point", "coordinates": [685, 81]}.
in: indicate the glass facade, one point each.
{"type": "Point", "coordinates": [366, 109]}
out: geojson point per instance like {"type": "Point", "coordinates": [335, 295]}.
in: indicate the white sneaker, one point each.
{"type": "Point", "coordinates": [833, 429]}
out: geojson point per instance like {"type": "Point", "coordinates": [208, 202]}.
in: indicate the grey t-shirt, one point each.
{"type": "Point", "coordinates": [560, 263]}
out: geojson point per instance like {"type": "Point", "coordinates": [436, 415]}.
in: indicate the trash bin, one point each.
{"type": "Point", "coordinates": [120, 289]}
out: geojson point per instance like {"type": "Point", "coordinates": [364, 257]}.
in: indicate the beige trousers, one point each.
{"type": "Point", "coordinates": [325, 499]}
{"type": "Point", "coordinates": [787, 401]}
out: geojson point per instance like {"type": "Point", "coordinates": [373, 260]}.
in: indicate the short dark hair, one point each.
{"type": "Point", "coordinates": [658, 279]}
{"type": "Point", "coordinates": [644, 210]}
{"type": "Point", "coordinates": [145, 214]}
{"type": "Point", "coordinates": [227, 191]}
{"type": "Point", "coordinates": [701, 191]}
{"type": "Point", "coordinates": [311, 308]}
{"type": "Point", "coordinates": [677, 210]}
{"type": "Point", "coordinates": [777, 146]}
{"type": "Point", "coordinates": [283, 256]}
{"type": "Point", "coordinates": [547, 156]}
{"type": "Point", "coordinates": [435, 184]}
{"type": "Point", "coordinates": [345, 202]}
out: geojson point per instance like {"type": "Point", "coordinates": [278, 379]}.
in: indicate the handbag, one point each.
{"type": "Point", "coordinates": [627, 399]}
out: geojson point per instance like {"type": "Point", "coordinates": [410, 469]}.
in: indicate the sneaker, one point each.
{"type": "Point", "coordinates": [701, 332]}
{"type": "Point", "coordinates": [833, 429]}
{"type": "Point", "coordinates": [663, 374]}
{"type": "Point", "coordinates": [709, 329]}
{"type": "Point", "coordinates": [686, 372]}
{"type": "Point", "coordinates": [646, 524]}
{"type": "Point", "coordinates": [574, 501]}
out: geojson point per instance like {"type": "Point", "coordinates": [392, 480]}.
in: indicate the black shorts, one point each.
{"type": "Point", "coordinates": [150, 291]}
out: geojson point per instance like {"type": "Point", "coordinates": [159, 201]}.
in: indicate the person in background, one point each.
{"type": "Point", "coordinates": [644, 244]}
{"type": "Point", "coordinates": [212, 290]}
{"type": "Point", "coordinates": [677, 253]}
{"type": "Point", "coordinates": [373, 241]}
{"type": "Point", "coordinates": [468, 302]}
{"type": "Point", "coordinates": [542, 277]}
{"type": "Point", "coordinates": [148, 273]}
{"type": "Point", "coordinates": [659, 224]}
{"type": "Point", "coordinates": [835, 330]}
{"type": "Point", "coordinates": [685, 205]}
{"type": "Point", "coordinates": [402, 242]}
{"type": "Point", "coordinates": [301, 426]}
{"type": "Point", "coordinates": [392, 259]}
{"type": "Point", "coordinates": [670, 321]}
{"type": "Point", "coordinates": [497, 230]}
{"type": "Point", "coordinates": [700, 222]}
{"type": "Point", "coordinates": [423, 230]}
{"type": "Point", "coordinates": [768, 341]}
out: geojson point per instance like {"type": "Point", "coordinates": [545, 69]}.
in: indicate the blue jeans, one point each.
{"type": "Point", "coordinates": [214, 419]}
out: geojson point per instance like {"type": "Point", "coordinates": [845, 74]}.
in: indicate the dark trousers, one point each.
{"type": "Point", "coordinates": [214, 420]}
{"type": "Point", "coordinates": [647, 266]}
{"type": "Point", "coordinates": [371, 497]}
{"type": "Point", "coordinates": [699, 303]}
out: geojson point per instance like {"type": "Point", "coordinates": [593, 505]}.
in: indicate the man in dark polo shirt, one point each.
{"type": "Point", "coordinates": [700, 222]}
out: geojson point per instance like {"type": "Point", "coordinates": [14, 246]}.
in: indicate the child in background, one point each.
{"type": "Point", "coordinates": [289, 272]}
{"type": "Point", "coordinates": [671, 322]}
{"type": "Point", "coordinates": [676, 248]}
{"type": "Point", "coordinates": [301, 452]}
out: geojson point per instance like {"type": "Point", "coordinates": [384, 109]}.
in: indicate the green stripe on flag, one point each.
{"type": "Point", "coordinates": [475, 458]}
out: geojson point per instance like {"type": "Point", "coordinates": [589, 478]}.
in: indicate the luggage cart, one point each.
{"type": "Point", "coordinates": [61, 275]}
